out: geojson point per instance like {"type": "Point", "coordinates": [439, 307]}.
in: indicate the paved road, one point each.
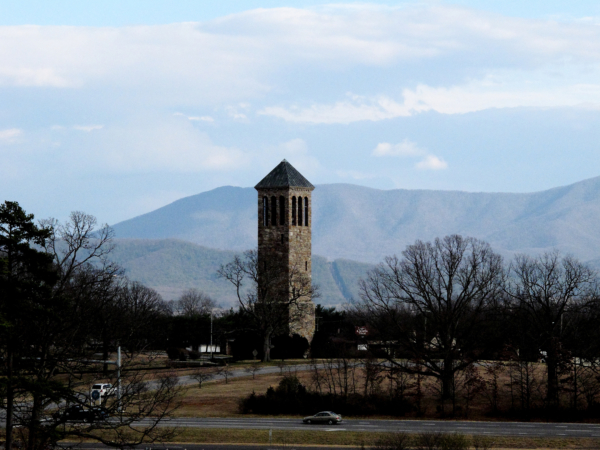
{"type": "Point", "coordinates": [188, 446]}
{"type": "Point", "coordinates": [409, 426]}
{"type": "Point", "coordinates": [236, 373]}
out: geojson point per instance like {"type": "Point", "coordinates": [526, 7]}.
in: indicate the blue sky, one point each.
{"type": "Point", "coordinates": [117, 108]}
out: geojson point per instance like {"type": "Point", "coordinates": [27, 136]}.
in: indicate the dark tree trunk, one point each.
{"type": "Point", "coordinates": [267, 348]}
{"type": "Point", "coordinates": [10, 399]}
{"type": "Point", "coordinates": [105, 351]}
{"type": "Point", "coordinates": [33, 438]}
{"type": "Point", "coordinates": [552, 363]}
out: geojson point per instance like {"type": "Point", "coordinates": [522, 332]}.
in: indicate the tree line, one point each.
{"type": "Point", "coordinates": [442, 308]}
{"type": "Point", "coordinates": [448, 317]}
{"type": "Point", "coordinates": [64, 309]}
{"type": "Point", "coordinates": [450, 323]}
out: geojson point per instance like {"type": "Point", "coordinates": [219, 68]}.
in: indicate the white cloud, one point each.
{"type": "Point", "coordinates": [407, 148]}
{"type": "Point", "coordinates": [88, 128]}
{"type": "Point", "coordinates": [404, 148]}
{"type": "Point", "coordinates": [431, 162]}
{"type": "Point", "coordinates": [235, 113]}
{"type": "Point", "coordinates": [296, 151]}
{"type": "Point", "coordinates": [474, 96]}
{"type": "Point", "coordinates": [10, 135]}
{"type": "Point", "coordinates": [201, 119]}
{"type": "Point", "coordinates": [208, 119]}
{"type": "Point", "coordinates": [154, 145]}
{"type": "Point", "coordinates": [245, 55]}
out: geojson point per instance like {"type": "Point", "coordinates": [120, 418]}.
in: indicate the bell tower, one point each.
{"type": "Point", "coordinates": [284, 238]}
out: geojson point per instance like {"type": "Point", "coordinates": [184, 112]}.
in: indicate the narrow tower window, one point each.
{"type": "Point", "coordinates": [300, 211]}
{"type": "Point", "coordinates": [293, 210]}
{"type": "Point", "coordinates": [305, 211]}
{"type": "Point", "coordinates": [273, 211]}
{"type": "Point", "coordinates": [306, 266]}
{"type": "Point", "coordinates": [282, 210]}
{"type": "Point", "coordinates": [265, 212]}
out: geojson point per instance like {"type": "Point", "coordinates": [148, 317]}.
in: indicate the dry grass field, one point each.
{"type": "Point", "coordinates": [219, 399]}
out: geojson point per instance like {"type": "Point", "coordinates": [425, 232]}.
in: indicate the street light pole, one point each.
{"type": "Point", "coordinates": [211, 334]}
{"type": "Point", "coordinates": [119, 379]}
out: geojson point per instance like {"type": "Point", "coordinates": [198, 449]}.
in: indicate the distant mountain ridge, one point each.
{"type": "Point", "coordinates": [364, 224]}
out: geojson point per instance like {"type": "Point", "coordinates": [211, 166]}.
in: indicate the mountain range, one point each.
{"type": "Point", "coordinates": [181, 245]}
{"type": "Point", "coordinates": [364, 224]}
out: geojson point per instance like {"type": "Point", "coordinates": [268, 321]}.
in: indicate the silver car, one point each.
{"type": "Point", "coordinates": [328, 417]}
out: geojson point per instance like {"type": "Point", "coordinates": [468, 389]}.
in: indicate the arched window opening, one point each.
{"type": "Point", "coordinates": [293, 210]}
{"type": "Point", "coordinates": [300, 211]}
{"type": "Point", "coordinates": [305, 211]}
{"type": "Point", "coordinates": [282, 210]}
{"type": "Point", "coordinates": [265, 212]}
{"type": "Point", "coordinates": [273, 211]}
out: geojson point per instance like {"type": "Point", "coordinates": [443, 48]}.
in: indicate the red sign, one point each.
{"type": "Point", "coordinates": [361, 331]}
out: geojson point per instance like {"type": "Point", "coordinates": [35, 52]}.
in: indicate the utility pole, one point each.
{"type": "Point", "coordinates": [211, 334]}
{"type": "Point", "coordinates": [119, 378]}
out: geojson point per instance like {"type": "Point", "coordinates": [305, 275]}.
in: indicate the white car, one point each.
{"type": "Point", "coordinates": [101, 391]}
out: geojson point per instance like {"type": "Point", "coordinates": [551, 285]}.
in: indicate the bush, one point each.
{"type": "Point", "coordinates": [439, 441]}
{"type": "Point", "coordinates": [393, 441]}
{"type": "Point", "coordinates": [177, 354]}
{"type": "Point", "coordinates": [428, 441]}
{"type": "Point", "coordinates": [291, 397]}
{"type": "Point", "coordinates": [482, 442]}
{"type": "Point", "coordinates": [454, 441]}
{"type": "Point", "coordinates": [194, 355]}
{"type": "Point", "coordinates": [286, 347]}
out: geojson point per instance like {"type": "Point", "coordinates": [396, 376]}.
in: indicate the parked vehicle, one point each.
{"type": "Point", "coordinates": [78, 413]}
{"type": "Point", "coordinates": [328, 417]}
{"type": "Point", "coordinates": [101, 390]}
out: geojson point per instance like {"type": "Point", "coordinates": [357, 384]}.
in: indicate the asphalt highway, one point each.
{"type": "Point", "coordinates": [409, 426]}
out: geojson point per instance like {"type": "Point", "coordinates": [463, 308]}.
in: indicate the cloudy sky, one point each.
{"type": "Point", "coordinates": [117, 108]}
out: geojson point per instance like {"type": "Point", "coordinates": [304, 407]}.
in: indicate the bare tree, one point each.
{"type": "Point", "coordinates": [139, 307]}
{"type": "Point", "coordinates": [548, 290]}
{"type": "Point", "coordinates": [59, 334]}
{"type": "Point", "coordinates": [431, 303]}
{"type": "Point", "coordinates": [201, 375]}
{"type": "Point", "coordinates": [252, 369]}
{"type": "Point", "coordinates": [194, 302]}
{"type": "Point", "coordinates": [224, 372]}
{"type": "Point", "coordinates": [271, 296]}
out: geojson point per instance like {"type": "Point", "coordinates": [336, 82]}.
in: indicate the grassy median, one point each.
{"type": "Point", "coordinates": [356, 439]}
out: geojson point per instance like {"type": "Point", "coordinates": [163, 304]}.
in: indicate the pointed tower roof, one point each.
{"type": "Point", "coordinates": [283, 176]}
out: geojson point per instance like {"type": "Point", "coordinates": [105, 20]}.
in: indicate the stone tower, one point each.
{"type": "Point", "coordinates": [284, 236]}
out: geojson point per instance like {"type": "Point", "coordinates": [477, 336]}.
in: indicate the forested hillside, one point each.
{"type": "Point", "coordinates": [171, 266]}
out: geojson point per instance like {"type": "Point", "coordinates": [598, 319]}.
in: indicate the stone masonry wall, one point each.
{"type": "Point", "coordinates": [289, 245]}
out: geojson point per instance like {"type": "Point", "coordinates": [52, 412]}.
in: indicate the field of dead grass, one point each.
{"type": "Point", "coordinates": [219, 399]}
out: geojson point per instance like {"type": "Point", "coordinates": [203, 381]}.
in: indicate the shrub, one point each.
{"type": "Point", "coordinates": [194, 355]}
{"type": "Point", "coordinates": [393, 441]}
{"type": "Point", "coordinates": [291, 397]}
{"type": "Point", "coordinates": [286, 347]}
{"type": "Point", "coordinates": [177, 354]}
{"type": "Point", "coordinates": [482, 442]}
{"type": "Point", "coordinates": [454, 441]}
{"type": "Point", "coordinates": [439, 441]}
{"type": "Point", "coordinates": [429, 441]}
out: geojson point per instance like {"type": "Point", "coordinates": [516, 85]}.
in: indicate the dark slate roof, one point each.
{"type": "Point", "coordinates": [282, 176]}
